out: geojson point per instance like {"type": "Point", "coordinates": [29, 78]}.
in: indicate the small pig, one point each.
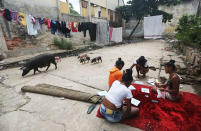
{"type": "Point", "coordinates": [83, 60]}
{"type": "Point", "coordinates": [57, 59]}
{"type": "Point", "coordinates": [39, 61]}
{"type": "Point", "coordinates": [82, 56]}
{"type": "Point", "coordinates": [96, 60]}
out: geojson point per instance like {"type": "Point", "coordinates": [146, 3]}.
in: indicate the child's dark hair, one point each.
{"type": "Point", "coordinates": [171, 64]}
{"type": "Point", "coordinates": [119, 62]}
{"type": "Point", "coordinates": [141, 61]}
{"type": "Point", "coordinates": [127, 75]}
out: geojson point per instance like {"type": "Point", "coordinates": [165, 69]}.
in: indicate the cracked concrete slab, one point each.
{"type": "Point", "coordinates": [24, 121]}
{"type": "Point", "coordinates": [10, 100]}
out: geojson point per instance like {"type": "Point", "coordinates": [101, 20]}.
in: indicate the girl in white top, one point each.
{"type": "Point", "coordinates": [112, 107]}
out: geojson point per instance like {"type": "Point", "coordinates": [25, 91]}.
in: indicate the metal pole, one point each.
{"type": "Point", "coordinates": [67, 2]}
{"type": "Point", "coordinates": [58, 9]}
{"type": "Point", "coordinates": [1, 3]}
{"type": "Point", "coordinates": [106, 11]}
{"type": "Point", "coordinates": [89, 10]}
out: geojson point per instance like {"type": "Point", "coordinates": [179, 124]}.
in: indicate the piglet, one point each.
{"type": "Point", "coordinates": [39, 61]}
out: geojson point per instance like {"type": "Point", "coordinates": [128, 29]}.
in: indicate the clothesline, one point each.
{"type": "Point", "coordinates": [34, 24]}
{"type": "Point", "coordinates": [69, 20]}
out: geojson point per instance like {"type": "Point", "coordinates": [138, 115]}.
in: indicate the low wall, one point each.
{"type": "Point", "coordinates": [193, 55]}
{"type": "Point", "coordinates": [167, 28]}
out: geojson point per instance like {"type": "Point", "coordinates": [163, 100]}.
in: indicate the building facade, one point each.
{"type": "Point", "coordinates": [104, 9]}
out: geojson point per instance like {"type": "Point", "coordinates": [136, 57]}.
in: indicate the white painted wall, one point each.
{"type": "Point", "coordinates": [178, 11]}
{"type": "Point", "coordinates": [168, 28]}
{"type": "Point", "coordinates": [110, 4]}
{"type": "Point", "coordinates": [41, 8]}
{"type": "Point", "coordinates": [99, 2]}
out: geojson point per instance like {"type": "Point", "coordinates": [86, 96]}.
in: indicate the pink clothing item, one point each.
{"type": "Point", "coordinates": [14, 16]}
{"type": "Point", "coordinates": [111, 30]}
{"type": "Point", "coordinates": [68, 25]}
{"type": "Point", "coordinates": [33, 21]}
{"type": "Point", "coordinates": [48, 24]}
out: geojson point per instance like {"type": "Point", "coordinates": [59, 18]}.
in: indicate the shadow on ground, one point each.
{"type": "Point", "coordinates": [197, 89]}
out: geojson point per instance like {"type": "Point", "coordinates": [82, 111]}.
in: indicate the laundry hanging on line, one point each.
{"type": "Point", "coordinates": [35, 24]}
{"type": "Point", "coordinates": [84, 26]}
{"type": "Point", "coordinates": [75, 26]}
{"type": "Point", "coordinates": [102, 32]}
{"type": "Point", "coordinates": [153, 27]}
{"type": "Point", "coordinates": [22, 18]}
{"type": "Point", "coordinates": [14, 16]}
{"type": "Point", "coordinates": [116, 34]}
{"type": "Point", "coordinates": [7, 14]}
{"type": "Point", "coordinates": [30, 25]}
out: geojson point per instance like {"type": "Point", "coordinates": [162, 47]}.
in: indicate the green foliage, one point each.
{"type": "Point", "coordinates": [63, 44]}
{"type": "Point", "coordinates": [189, 30]}
{"type": "Point", "coordinates": [92, 45]}
{"type": "Point", "coordinates": [142, 8]}
{"type": "Point", "coordinates": [72, 11]}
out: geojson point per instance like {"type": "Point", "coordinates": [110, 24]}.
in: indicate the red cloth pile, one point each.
{"type": "Point", "coordinates": [183, 115]}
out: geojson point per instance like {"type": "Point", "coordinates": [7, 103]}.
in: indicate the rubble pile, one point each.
{"type": "Point", "coordinates": [190, 75]}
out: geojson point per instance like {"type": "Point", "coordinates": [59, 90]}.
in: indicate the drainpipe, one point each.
{"type": "Point", "coordinates": [89, 10]}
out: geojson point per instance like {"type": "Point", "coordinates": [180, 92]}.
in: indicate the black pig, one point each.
{"type": "Point", "coordinates": [39, 61]}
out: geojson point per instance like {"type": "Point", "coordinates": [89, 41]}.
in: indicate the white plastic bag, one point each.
{"type": "Point", "coordinates": [160, 94]}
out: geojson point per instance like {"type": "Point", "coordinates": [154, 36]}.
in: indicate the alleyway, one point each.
{"type": "Point", "coordinates": [34, 112]}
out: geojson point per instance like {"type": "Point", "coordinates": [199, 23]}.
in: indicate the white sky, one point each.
{"type": "Point", "coordinates": [75, 4]}
{"type": "Point", "coordinates": [125, 1]}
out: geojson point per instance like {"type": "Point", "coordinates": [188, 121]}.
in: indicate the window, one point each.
{"type": "Point", "coordinates": [1, 3]}
{"type": "Point", "coordinates": [99, 14]}
{"type": "Point", "coordinates": [111, 15]}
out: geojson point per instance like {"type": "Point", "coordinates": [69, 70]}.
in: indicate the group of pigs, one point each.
{"type": "Point", "coordinates": [85, 58]}
{"type": "Point", "coordinates": [45, 60]}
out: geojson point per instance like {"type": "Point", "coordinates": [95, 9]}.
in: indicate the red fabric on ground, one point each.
{"type": "Point", "coordinates": [183, 115]}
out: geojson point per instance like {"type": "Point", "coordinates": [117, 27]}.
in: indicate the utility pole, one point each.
{"type": "Point", "coordinates": [106, 11]}
{"type": "Point", "coordinates": [58, 9]}
{"type": "Point", "coordinates": [89, 10]}
{"type": "Point", "coordinates": [118, 3]}
{"type": "Point", "coordinates": [80, 7]}
{"type": "Point", "coordinates": [1, 3]}
{"type": "Point", "coordinates": [67, 2]}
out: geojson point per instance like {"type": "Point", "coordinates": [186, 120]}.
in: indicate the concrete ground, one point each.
{"type": "Point", "coordinates": [34, 112]}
